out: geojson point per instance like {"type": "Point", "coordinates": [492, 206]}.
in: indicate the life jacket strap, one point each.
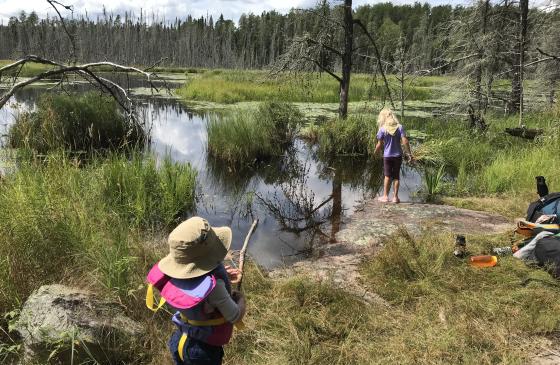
{"type": "Point", "coordinates": [150, 299]}
{"type": "Point", "coordinates": [211, 322]}
{"type": "Point", "coordinates": [181, 347]}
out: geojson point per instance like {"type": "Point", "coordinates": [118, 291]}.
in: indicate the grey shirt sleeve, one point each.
{"type": "Point", "coordinates": [220, 299]}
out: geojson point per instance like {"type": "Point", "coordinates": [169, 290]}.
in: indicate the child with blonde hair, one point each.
{"type": "Point", "coordinates": [390, 136]}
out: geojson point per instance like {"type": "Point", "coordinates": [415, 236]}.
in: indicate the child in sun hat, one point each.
{"type": "Point", "coordinates": [193, 280]}
{"type": "Point", "coordinates": [390, 136]}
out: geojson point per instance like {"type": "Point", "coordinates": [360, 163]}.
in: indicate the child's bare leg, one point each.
{"type": "Point", "coordinates": [386, 187]}
{"type": "Point", "coordinates": [396, 185]}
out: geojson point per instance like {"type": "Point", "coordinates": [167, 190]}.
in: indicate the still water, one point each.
{"type": "Point", "coordinates": [301, 200]}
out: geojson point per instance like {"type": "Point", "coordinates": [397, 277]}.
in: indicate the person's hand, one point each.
{"type": "Point", "coordinates": [233, 274]}
{"type": "Point", "coordinates": [239, 298]}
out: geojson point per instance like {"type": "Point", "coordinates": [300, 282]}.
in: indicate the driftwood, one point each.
{"type": "Point", "coordinates": [524, 132]}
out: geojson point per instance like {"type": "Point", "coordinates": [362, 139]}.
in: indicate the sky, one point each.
{"type": "Point", "coordinates": [169, 9]}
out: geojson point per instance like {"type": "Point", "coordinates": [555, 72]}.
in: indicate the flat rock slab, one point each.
{"type": "Point", "coordinates": [64, 318]}
{"type": "Point", "coordinates": [369, 227]}
{"type": "Point", "coordinates": [376, 221]}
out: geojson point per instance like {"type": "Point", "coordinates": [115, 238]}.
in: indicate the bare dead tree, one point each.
{"type": "Point", "coordinates": [306, 53]}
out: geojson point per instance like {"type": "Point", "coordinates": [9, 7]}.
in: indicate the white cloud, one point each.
{"type": "Point", "coordinates": [168, 9]}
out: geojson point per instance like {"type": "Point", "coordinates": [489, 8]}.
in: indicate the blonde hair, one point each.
{"type": "Point", "coordinates": [386, 115]}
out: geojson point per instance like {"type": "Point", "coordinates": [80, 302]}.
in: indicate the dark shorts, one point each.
{"type": "Point", "coordinates": [392, 167]}
{"type": "Point", "coordinates": [195, 352]}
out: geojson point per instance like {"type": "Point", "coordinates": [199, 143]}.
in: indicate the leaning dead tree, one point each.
{"type": "Point", "coordinates": [88, 72]}
{"type": "Point", "coordinates": [63, 72]}
{"type": "Point", "coordinates": [328, 48]}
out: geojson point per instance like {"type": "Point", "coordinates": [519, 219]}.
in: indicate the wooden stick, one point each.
{"type": "Point", "coordinates": [243, 252]}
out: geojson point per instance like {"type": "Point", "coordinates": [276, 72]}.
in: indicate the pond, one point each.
{"type": "Point", "coordinates": [300, 200]}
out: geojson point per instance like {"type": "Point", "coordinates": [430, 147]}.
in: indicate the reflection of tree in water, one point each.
{"type": "Point", "coordinates": [239, 183]}
{"type": "Point", "coordinates": [296, 208]}
{"type": "Point", "coordinates": [295, 205]}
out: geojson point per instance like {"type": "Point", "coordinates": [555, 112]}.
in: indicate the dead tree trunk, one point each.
{"type": "Point", "coordinates": [478, 72]}
{"type": "Point", "coordinates": [516, 99]}
{"type": "Point", "coordinates": [346, 59]}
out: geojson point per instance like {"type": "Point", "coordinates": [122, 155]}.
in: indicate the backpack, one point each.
{"type": "Point", "coordinates": [549, 205]}
{"type": "Point", "coordinates": [547, 252]}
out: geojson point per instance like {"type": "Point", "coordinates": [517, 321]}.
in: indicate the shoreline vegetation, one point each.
{"type": "Point", "coordinates": [101, 221]}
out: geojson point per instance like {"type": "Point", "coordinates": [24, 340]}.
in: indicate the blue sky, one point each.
{"type": "Point", "coordinates": [169, 9]}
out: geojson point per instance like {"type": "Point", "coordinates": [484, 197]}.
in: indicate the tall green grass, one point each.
{"type": "Point", "coordinates": [493, 162]}
{"type": "Point", "coordinates": [231, 86]}
{"type": "Point", "coordinates": [80, 123]}
{"type": "Point", "coordinates": [352, 136]}
{"type": "Point", "coordinates": [59, 220]}
{"type": "Point", "coordinates": [250, 136]}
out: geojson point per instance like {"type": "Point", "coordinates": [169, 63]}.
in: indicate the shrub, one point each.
{"type": "Point", "coordinates": [84, 123]}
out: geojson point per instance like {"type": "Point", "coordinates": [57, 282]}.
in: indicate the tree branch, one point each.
{"type": "Point", "coordinates": [359, 23]}
{"type": "Point", "coordinates": [318, 64]}
{"type": "Point", "coordinates": [53, 3]}
{"type": "Point", "coordinates": [85, 71]}
{"type": "Point", "coordinates": [325, 46]}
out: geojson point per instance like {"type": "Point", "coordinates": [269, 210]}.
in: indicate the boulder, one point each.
{"type": "Point", "coordinates": [58, 323]}
{"type": "Point", "coordinates": [377, 221]}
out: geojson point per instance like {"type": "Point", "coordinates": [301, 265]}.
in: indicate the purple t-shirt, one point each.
{"type": "Point", "coordinates": [391, 143]}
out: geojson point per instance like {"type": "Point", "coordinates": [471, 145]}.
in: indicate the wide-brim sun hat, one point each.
{"type": "Point", "coordinates": [195, 248]}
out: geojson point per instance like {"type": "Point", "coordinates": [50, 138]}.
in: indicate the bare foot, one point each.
{"type": "Point", "coordinates": [396, 200]}
{"type": "Point", "coordinates": [383, 199]}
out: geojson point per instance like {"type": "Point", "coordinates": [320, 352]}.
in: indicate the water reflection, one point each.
{"type": "Point", "coordinates": [300, 198]}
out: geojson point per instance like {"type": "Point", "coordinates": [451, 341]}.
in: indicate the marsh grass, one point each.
{"type": "Point", "coordinates": [251, 136]}
{"type": "Point", "coordinates": [351, 136]}
{"type": "Point", "coordinates": [28, 70]}
{"type": "Point", "coordinates": [492, 162]}
{"type": "Point", "coordinates": [231, 86]}
{"type": "Point", "coordinates": [85, 123]}
{"type": "Point", "coordinates": [59, 219]}
{"type": "Point", "coordinates": [433, 178]}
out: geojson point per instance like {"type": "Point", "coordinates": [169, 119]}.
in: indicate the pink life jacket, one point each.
{"type": "Point", "coordinates": [188, 296]}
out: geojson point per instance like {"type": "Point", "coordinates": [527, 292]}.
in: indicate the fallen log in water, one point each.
{"type": "Point", "coordinates": [524, 132]}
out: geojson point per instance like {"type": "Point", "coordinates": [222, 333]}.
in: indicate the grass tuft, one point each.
{"type": "Point", "coordinates": [248, 137]}
{"type": "Point", "coordinates": [351, 136]}
{"type": "Point", "coordinates": [79, 123]}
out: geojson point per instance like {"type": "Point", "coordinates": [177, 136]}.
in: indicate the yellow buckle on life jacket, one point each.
{"type": "Point", "coordinates": [150, 299]}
